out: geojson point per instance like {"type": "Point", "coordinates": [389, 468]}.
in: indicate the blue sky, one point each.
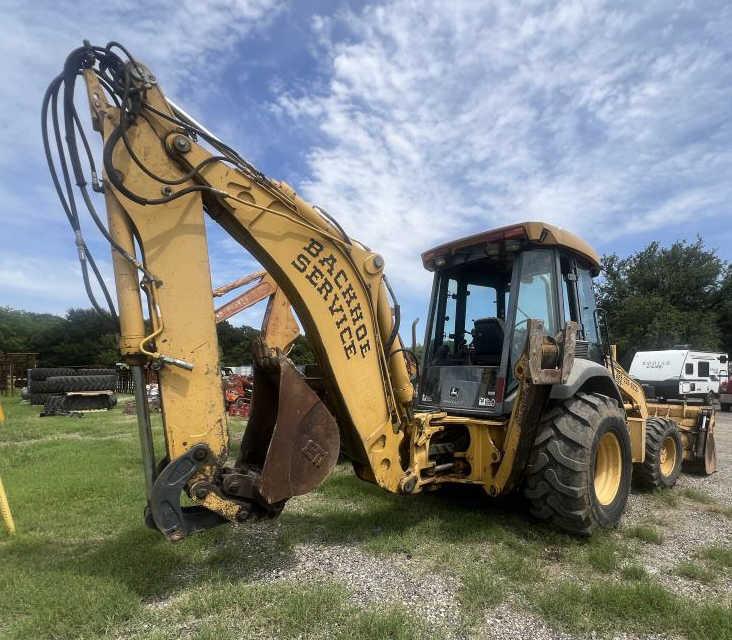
{"type": "Point", "coordinates": [411, 122]}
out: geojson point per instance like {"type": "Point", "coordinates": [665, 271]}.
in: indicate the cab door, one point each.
{"type": "Point", "coordinates": [579, 305]}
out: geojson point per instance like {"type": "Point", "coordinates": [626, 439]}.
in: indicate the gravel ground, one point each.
{"type": "Point", "coordinates": [686, 528]}
{"type": "Point", "coordinates": [372, 580]}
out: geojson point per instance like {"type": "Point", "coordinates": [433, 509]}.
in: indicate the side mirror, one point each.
{"type": "Point", "coordinates": [723, 359]}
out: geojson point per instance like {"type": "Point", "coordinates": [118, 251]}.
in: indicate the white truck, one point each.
{"type": "Point", "coordinates": [680, 373]}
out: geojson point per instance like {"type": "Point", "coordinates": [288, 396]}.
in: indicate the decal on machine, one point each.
{"type": "Point", "coordinates": [322, 270]}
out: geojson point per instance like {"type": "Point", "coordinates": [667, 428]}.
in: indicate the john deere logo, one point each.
{"type": "Point", "coordinates": [454, 392]}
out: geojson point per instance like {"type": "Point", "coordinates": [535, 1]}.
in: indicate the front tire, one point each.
{"type": "Point", "coordinates": [579, 472]}
{"type": "Point", "coordinates": [664, 454]}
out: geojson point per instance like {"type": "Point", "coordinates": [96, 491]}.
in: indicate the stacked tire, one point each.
{"type": "Point", "coordinates": [44, 382]}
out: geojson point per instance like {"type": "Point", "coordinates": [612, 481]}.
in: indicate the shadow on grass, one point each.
{"type": "Point", "coordinates": [350, 511]}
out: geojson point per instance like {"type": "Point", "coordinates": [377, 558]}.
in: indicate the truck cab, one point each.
{"type": "Point", "coordinates": [486, 288]}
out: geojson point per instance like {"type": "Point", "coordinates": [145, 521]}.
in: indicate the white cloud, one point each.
{"type": "Point", "coordinates": [427, 120]}
{"type": "Point", "coordinates": [179, 39]}
{"type": "Point", "coordinates": [47, 284]}
{"type": "Point", "coordinates": [441, 119]}
{"type": "Point", "coordinates": [183, 41]}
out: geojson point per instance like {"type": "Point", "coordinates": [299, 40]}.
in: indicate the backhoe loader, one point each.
{"type": "Point", "coordinates": [517, 390]}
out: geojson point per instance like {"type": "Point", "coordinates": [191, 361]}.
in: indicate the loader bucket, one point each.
{"type": "Point", "coordinates": [291, 438]}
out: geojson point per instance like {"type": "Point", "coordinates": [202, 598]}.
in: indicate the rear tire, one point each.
{"type": "Point", "coordinates": [664, 455]}
{"type": "Point", "coordinates": [95, 372]}
{"type": "Point", "coordinates": [41, 373]}
{"type": "Point", "coordinates": [60, 384]}
{"type": "Point", "coordinates": [579, 472]}
{"type": "Point", "coordinates": [39, 398]}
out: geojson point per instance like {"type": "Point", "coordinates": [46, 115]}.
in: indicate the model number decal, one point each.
{"type": "Point", "coordinates": [331, 282]}
{"type": "Point", "coordinates": [655, 364]}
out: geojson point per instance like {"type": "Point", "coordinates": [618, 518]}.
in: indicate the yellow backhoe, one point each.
{"type": "Point", "coordinates": [517, 389]}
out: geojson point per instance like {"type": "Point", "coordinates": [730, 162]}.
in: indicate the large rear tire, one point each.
{"type": "Point", "coordinates": [664, 454]}
{"type": "Point", "coordinates": [39, 398]}
{"type": "Point", "coordinates": [41, 373]}
{"type": "Point", "coordinates": [579, 472]}
{"type": "Point", "coordinates": [61, 384]}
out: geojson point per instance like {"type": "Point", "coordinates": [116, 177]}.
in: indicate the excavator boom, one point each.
{"type": "Point", "coordinates": [159, 182]}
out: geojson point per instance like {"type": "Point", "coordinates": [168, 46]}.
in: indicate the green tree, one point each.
{"type": "Point", "coordinates": [19, 330]}
{"type": "Point", "coordinates": [725, 312]}
{"type": "Point", "coordinates": [235, 344]}
{"type": "Point", "coordinates": [302, 352]}
{"type": "Point", "coordinates": [660, 297]}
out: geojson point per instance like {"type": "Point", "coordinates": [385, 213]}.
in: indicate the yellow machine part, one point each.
{"type": "Point", "coordinates": [335, 286]}
{"type": "Point", "coordinates": [4, 504]}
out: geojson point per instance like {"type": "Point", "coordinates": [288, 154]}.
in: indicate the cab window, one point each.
{"type": "Point", "coordinates": [469, 320]}
{"type": "Point", "coordinates": [536, 297]}
{"type": "Point", "coordinates": [587, 305]}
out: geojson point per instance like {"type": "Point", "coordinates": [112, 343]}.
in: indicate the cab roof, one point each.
{"type": "Point", "coordinates": [534, 233]}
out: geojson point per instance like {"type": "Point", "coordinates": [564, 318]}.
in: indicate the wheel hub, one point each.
{"type": "Point", "coordinates": [667, 457]}
{"type": "Point", "coordinates": [608, 469]}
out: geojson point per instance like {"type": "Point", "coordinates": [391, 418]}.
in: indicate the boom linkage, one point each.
{"type": "Point", "coordinates": [158, 180]}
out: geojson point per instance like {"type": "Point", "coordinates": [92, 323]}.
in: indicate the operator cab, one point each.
{"type": "Point", "coordinates": [486, 288]}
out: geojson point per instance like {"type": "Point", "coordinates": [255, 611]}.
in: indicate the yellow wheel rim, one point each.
{"type": "Point", "coordinates": [608, 469]}
{"type": "Point", "coordinates": [667, 457]}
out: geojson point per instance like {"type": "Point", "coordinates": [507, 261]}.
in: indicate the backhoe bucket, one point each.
{"type": "Point", "coordinates": [291, 438]}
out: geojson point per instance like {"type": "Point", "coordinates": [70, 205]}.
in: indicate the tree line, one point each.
{"type": "Point", "coordinates": [656, 298]}
{"type": "Point", "coordinates": [660, 297]}
{"type": "Point", "coordinates": [84, 338]}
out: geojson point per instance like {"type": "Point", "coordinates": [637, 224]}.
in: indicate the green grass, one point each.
{"type": "Point", "coordinates": [668, 497]}
{"type": "Point", "coordinates": [640, 606]}
{"type": "Point", "coordinates": [695, 571]}
{"type": "Point", "coordinates": [634, 572]}
{"type": "Point", "coordinates": [645, 533]}
{"type": "Point", "coordinates": [603, 554]}
{"type": "Point", "coordinates": [702, 497]}
{"type": "Point", "coordinates": [84, 566]}
{"type": "Point", "coordinates": [718, 557]}
{"type": "Point", "coordinates": [725, 511]}
{"type": "Point", "coordinates": [481, 590]}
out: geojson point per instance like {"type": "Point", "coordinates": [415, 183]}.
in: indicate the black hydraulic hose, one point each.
{"type": "Point", "coordinates": [191, 174]}
{"type": "Point", "coordinates": [334, 222]}
{"type": "Point", "coordinates": [62, 160]}
{"type": "Point", "coordinates": [69, 205]}
{"type": "Point", "coordinates": [397, 318]}
{"type": "Point", "coordinates": [114, 177]}
{"type": "Point", "coordinates": [87, 149]}
{"type": "Point", "coordinates": [414, 358]}
{"type": "Point", "coordinates": [231, 155]}
{"type": "Point", "coordinates": [47, 148]}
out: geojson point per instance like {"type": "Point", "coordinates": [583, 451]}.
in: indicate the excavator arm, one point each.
{"type": "Point", "coordinates": [159, 184]}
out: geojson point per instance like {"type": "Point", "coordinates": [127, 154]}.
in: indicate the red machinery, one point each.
{"type": "Point", "coordinates": [279, 329]}
{"type": "Point", "coordinates": [238, 394]}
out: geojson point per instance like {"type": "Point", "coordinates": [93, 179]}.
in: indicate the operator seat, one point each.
{"type": "Point", "coordinates": [487, 341]}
